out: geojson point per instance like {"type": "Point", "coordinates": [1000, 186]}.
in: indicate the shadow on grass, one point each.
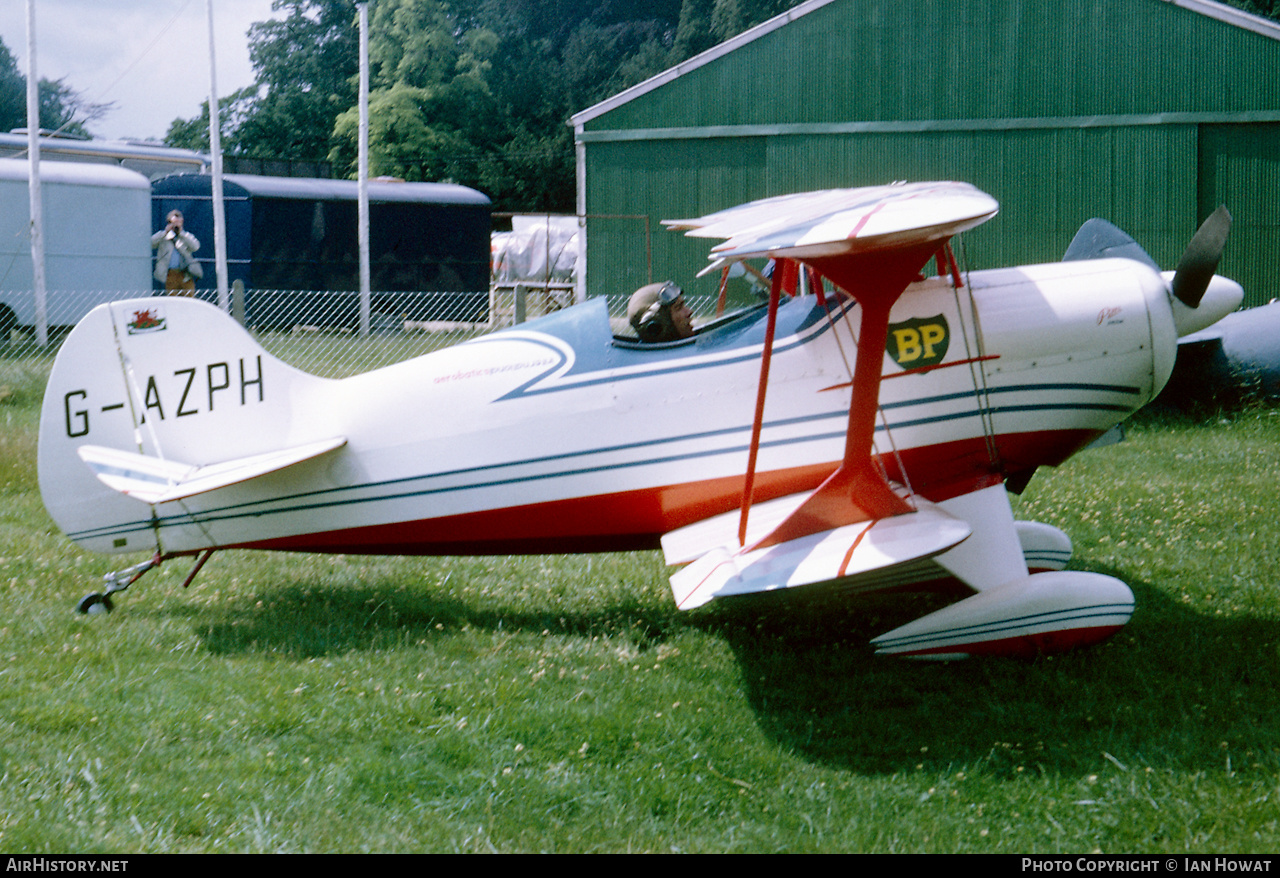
{"type": "Point", "coordinates": [311, 621]}
{"type": "Point", "coordinates": [1175, 689]}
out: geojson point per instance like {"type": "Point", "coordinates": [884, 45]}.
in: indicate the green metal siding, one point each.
{"type": "Point", "coordinates": [971, 59]}
{"type": "Point", "coordinates": [1138, 111]}
{"type": "Point", "coordinates": [1239, 165]}
{"type": "Point", "coordinates": [661, 180]}
{"type": "Point", "coordinates": [1049, 182]}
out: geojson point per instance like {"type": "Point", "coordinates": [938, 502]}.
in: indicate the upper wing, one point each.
{"type": "Point", "coordinates": [834, 221]}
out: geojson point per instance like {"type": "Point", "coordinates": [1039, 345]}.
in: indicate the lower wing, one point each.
{"type": "Point", "coordinates": [873, 550]}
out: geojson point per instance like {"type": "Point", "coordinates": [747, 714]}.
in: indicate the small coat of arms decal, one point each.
{"type": "Point", "coordinates": [150, 320]}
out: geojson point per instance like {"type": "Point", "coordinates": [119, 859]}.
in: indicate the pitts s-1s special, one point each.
{"type": "Point", "coordinates": [860, 428]}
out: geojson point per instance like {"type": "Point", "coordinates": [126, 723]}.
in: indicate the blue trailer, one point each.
{"type": "Point", "coordinates": [293, 243]}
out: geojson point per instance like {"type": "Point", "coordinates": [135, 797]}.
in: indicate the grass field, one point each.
{"type": "Point", "coordinates": [306, 703]}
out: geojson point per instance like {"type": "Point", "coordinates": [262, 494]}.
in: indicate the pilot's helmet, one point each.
{"type": "Point", "coordinates": [649, 311]}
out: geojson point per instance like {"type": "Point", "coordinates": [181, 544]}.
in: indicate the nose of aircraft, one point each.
{"type": "Point", "coordinates": [1220, 298]}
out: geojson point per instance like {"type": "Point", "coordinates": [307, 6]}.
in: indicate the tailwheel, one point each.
{"type": "Point", "coordinates": [94, 604]}
{"type": "Point", "coordinates": [99, 602]}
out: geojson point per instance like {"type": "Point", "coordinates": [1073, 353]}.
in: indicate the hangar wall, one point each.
{"type": "Point", "coordinates": [1146, 112]}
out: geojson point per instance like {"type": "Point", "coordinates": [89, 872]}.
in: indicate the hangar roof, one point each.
{"type": "Point", "coordinates": [1218, 11]}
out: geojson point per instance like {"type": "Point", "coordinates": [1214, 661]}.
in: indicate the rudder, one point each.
{"type": "Point", "coordinates": [174, 379]}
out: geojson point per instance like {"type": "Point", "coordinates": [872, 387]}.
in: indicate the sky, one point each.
{"type": "Point", "coordinates": [148, 57]}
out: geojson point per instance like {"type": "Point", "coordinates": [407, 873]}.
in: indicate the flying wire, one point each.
{"type": "Point", "coordinates": [151, 45]}
{"type": "Point", "coordinates": [976, 370]}
{"type": "Point", "coordinates": [132, 64]}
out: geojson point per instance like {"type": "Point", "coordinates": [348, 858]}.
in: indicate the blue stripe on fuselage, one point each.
{"type": "Point", "coordinates": [577, 461]}
{"type": "Point", "coordinates": [601, 359]}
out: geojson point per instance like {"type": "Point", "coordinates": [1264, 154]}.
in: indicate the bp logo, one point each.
{"type": "Point", "coordinates": [920, 341]}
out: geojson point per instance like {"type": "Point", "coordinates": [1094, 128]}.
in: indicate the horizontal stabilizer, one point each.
{"type": "Point", "coordinates": [846, 553]}
{"type": "Point", "coordinates": [153, 480]}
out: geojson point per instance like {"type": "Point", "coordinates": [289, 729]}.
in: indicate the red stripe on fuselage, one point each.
{"type": "Point", "coordinates": [634, 520]}
{"type": "Point", "coordinates": [604, 523]}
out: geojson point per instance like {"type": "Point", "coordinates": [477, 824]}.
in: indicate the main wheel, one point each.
{"type": "Point", "coordinates": [94, 604]}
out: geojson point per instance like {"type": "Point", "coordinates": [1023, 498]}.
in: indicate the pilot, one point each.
{"type": "Point", "coordinates": [658, 312]}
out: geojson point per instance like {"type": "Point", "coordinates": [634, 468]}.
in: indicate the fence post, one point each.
{"type": "Point", "coordinates": [237, 300]}
{"type": "Point", "coordinates": [521, 303]}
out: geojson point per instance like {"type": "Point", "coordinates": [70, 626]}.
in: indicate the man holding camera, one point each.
{"type": "Point", "coordinates": [176, 264]}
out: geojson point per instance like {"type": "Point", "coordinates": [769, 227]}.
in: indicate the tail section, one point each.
{"type": "Point", "coordinates": [154, 400]}
{"type": "Point", "coordinates": [1099, 239]}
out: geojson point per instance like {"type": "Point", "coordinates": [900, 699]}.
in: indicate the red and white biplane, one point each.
{"type": "Point", "coordinates": [861, 428]}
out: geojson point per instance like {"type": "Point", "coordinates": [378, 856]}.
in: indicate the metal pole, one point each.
{"type": "Point", "coordinates": [580, 161]}
{"type": "Point", "coordinates": [33, 183]}
{"type": "Point", "coordinates": [215, 149]}
{"type": "Point", "coordinates": [363, 172]}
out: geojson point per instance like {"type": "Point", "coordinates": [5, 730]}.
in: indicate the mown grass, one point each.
{"type": "Point", "coordinates": [308, 703]}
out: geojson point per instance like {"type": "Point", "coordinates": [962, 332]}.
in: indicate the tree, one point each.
{"type": "Point", "coordinates": [479, 91]}
{"type": "Point", "coordinates": [1268, 8]}
{"type": "Point", "coordinates": [473, 91]}
{"type": "Point", "coordinates": [233, 112]}
{"type": "Point", "coordinates": [432, 114]}
{"type": "Point", "coordinates": [61, 107]}
{"type": "Point", "coordinates": [305, 66]}
{"type": "Point", "coordinates": [13, 92]}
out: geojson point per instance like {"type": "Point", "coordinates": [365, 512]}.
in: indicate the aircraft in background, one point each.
{"type": "Point", "coordinates": [1233, 362]}
{"type": "Point", "coordinates": [858, 430]}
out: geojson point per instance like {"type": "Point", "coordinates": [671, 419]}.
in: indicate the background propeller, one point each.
{"type": "Point", "coordinates": [1199, 261]}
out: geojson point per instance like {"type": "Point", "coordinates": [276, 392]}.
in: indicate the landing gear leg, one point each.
{"type": "Point", "coordinates": [100, 601]}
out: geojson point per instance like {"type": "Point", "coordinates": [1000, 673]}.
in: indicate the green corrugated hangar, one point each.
{"type": "Point", "coordinates": [1148, 113]}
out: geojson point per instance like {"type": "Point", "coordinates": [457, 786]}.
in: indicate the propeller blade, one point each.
{"type": "Point", "coordinates": [1200, 260]}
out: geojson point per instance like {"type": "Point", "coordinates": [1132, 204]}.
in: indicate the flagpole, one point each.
{"type": "Point", "coordinates": [362, 176]}
{"type": "Point", "coordinates": [33, 184]}
{"type": "Point", "coordinates": [215, 148]}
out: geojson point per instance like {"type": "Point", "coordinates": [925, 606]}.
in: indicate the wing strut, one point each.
{"type": "Point", "coordinates": [872, 242]}
{"type": "Point", "coordinates": [722, 296]}
{"type": "Point", "coordinates": [856, 491]}
{"type": "Point", "coordinates": [771, 325]}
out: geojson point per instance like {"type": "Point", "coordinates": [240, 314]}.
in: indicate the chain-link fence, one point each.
{"type": "Point", "coordinates": [319, 332]}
